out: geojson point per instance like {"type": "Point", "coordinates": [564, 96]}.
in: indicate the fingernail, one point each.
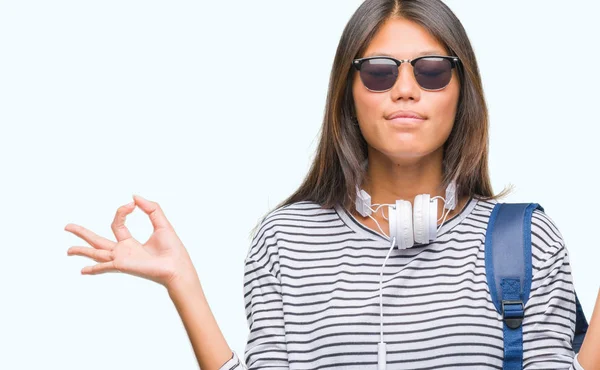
{"type": "Point", "coordinates": [130, 204]}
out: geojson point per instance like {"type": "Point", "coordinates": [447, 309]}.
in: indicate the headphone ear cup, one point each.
{"type": "Point", "coordinates": [404, 224]}
{"type": "Point", "coordinates": [421, 218]}
{"type": "Point", "coordinates": [393, 221]}
{"type": "Point", "coordinates": [433, 219]}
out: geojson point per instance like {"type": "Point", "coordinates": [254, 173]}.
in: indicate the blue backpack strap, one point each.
{"type": "Point", "coordinates": [508, 272]}
{"type": "Point", "coordinates": [581, 326]}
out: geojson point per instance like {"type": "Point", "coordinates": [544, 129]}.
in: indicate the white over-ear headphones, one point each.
{"type": "Point", "coordinates": [410, 223]}
{"type": "Point", "coordinates": [406, 227]}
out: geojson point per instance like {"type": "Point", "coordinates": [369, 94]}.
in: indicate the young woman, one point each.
{"type": "Point", "coordinates": [405, 116]}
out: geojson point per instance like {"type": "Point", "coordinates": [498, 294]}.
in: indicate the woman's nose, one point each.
{"type": "Point", "coordinates": [406, 85]}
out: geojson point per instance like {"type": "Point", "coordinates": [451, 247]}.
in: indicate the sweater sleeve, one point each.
{"type": "Point", "coordinates": [266, 346]}
{"type": "Point", "coordinates": [549, 323]}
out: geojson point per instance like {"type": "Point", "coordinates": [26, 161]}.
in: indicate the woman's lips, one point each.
{"type": "Point", "coordinates": [406, 121]}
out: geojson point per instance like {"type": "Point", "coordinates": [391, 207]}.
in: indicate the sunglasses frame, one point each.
{"type": "Point", "coordinates": [357, 63]}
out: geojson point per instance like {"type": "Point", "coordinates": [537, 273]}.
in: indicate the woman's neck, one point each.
{"type": "Point", "coordinates": [387, 181]}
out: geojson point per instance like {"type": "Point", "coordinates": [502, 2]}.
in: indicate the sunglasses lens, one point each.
{"type": "Point", "coordinates": [378, 74]}
{"type": "Point", "coordinates": [433, 73]}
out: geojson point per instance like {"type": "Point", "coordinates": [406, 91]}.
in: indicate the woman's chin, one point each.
{"type": "Point", "coordinates": [399, 148]}
{"type": "Point", "coordinates": [405, 156]}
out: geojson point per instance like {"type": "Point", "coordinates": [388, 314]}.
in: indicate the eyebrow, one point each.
{"type": "Point", "coordinates": [427, 52]}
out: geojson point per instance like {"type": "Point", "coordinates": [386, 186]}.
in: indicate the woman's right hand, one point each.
{"type": "Point", "coordinates": [162, 259]}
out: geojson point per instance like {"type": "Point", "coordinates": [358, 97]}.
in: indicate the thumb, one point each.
{"type": "Point", "coordinates": [153, 210]}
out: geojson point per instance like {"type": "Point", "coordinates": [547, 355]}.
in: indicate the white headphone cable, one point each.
{"type": "Point", "coordinates": [381, 347]}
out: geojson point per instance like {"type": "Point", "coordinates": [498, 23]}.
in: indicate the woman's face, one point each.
{"type": "Point", "coordinates": [404, 39]}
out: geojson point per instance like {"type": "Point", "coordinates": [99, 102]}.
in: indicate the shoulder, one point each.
{"type": "Point", "coordinates": [483, 210]}
{"type": "Point", "coordinates": [547, 244]}
{"type": "Point", "coordinates": [289, 222]}
{"type": "Point", "coordinates": [546, 240]}
{"type": "Point", "coordinates": [478, 218]}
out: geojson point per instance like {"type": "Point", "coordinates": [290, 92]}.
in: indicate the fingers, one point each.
{"type": "Point", "coordinates": [98, 255]}
{"type": "Point", "coordinates": [93, 239]}
{"type": "Point", "coordinates": [118, 226]}
{"type": "Point", "coordinates": [100, 268]}
{"type": "Point", "coordinates": [152, 209]}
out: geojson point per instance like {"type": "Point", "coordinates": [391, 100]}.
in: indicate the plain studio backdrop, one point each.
{"type": "Point", "coordinates": [213, 110]}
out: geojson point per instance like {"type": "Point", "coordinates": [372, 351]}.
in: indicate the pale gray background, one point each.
{"type": "Point", "coordinates": [212, 109]}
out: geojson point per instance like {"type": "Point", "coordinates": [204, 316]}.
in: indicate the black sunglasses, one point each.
{"type": "Point", "coordinates": [432, 72]}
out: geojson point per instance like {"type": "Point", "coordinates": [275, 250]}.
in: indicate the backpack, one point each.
{"type": "Point", "coordinates": [508, 271]}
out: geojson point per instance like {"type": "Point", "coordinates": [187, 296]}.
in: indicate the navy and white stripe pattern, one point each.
{"type": "Point", "coordinates": [312, 296]}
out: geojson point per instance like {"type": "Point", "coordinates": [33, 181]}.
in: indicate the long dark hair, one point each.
{"type": "Point", "coordinates": [337, 167]}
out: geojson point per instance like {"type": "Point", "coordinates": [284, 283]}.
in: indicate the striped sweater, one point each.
{"type": "Point", "coordinates": [311, 288]}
